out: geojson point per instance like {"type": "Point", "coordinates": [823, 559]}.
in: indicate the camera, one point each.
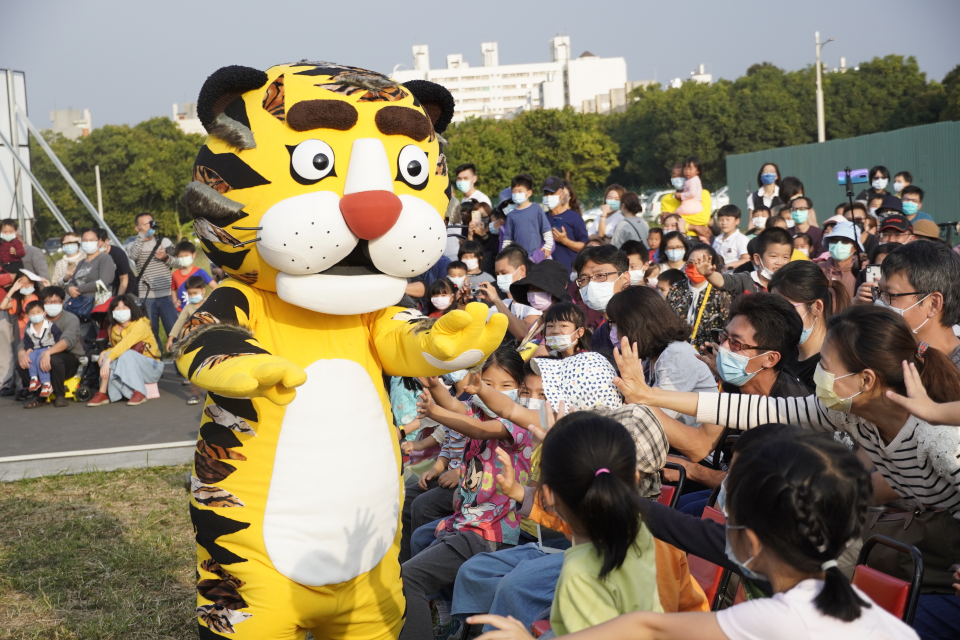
{"type": "Point", "coordinates": [153, 224]}
{"type": "Point", "coordinates": [857, 176]}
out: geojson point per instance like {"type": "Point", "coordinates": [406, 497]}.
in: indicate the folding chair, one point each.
{"type": "Point", "coordinates": [670, 493]}
{"type": "Point", "coordinates": [896, 596]}
{"type": "Point", "coordinates": [712, 578]}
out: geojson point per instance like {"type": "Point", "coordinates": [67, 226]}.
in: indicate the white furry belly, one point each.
{"type": "Point", "coordinates": [333, 504]}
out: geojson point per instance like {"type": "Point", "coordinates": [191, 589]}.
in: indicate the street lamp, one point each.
{"type": "Point", "coordinates": [821, 125]}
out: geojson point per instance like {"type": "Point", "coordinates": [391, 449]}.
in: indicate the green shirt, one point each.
{"type": "Point", "coordinates": [583, 600]}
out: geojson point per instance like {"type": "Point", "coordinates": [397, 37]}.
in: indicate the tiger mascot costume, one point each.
{"type": "Point", "coordinates": [318, 191]}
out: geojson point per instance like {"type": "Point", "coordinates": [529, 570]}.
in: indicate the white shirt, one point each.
{"type": "Point", "coordinates": [613, 219]}
{"type": "Point", "coordinates": [517, 309]}
{"type": "Point", "coordinates": [793, 616]}
{"type": "Point", "coordinates": [731, 249]}
{"type": "Point", "coordinates": [761, 194]}
{"type": "Point", "coordinates": [479, 196]}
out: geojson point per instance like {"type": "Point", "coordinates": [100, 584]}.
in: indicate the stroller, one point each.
{"type": "Point", "coordinates": [86, 381]}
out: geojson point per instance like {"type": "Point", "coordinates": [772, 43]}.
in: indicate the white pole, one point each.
{"type": "Point", "coordinates": [821, 124]}
{"type": "Point", "coordinates": [15, 148]}
{"type": "Point", "coordinates": [96, 170]}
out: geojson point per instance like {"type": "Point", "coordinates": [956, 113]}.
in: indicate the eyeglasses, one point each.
{"type": "Point", "coordinates": [886, 296]}
{"type": "Point", "coordinates": [597, 277]}
{"type": "Point", "coordinates": [888, 235]}
{"type": "Point", "coordinates": [721, 336]}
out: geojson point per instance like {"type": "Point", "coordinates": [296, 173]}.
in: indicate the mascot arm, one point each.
{"type": "Point", "coordinates": [216, 350]}
{"type": "Point", "coordinates": [458, 340]}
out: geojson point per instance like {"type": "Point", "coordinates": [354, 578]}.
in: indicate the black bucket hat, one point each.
{"type": "Point", "coordinates": [549, 276]}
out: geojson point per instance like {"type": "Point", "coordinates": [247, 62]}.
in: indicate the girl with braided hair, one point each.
{"type": "Point", "coordinates": [792, 508]}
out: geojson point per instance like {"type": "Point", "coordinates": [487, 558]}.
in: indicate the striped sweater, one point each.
{"type": "Point", "coordinates": [922, 463]}
{"type": "Point", "coordinates": [155, 278]}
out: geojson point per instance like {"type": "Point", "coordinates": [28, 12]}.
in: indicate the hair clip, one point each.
{"type": "Point", "coordinates": [922, 349]}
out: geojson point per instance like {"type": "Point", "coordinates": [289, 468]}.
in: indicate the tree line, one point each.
{"type": "Point", "coordinates": [146, 167]}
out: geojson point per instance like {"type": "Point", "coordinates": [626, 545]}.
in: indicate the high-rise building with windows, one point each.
{"type": "Point", "coordinates": [502, 90]}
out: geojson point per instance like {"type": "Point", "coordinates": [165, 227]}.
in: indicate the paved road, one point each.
{"type": "Point", "coordinates": [48, 430]}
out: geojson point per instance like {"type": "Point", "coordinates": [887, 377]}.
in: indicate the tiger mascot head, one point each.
{"type": "Point", "coordinates": [322, 182]}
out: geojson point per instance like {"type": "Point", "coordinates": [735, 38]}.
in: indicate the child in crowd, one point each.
{"type": "Point", "coordinates": [484, 519]}
{"type": "Point", "coordinates": [566, 331]}
{"type": "Point", "coordinates": [470, 254]}
{"type": "Point", "coordinates": [527, 225]}
{"type": "Point", "coordinates": [674, 222]}
{"type": "Point", "coordinates": [667, 279]}
{"type": "Point", "coordinates": [195, 288]}
{"type": "Point", "coordinates": [731, 244]}
{"type": "Point", "coordinates": [441, 294]}
{"type": "Point", "coordinates": [691, 197]}
{"type": "Point", "coordinates": [761, 217]}
{"type": "Point", "coordinates": [773, 249]}
{"type": "Point", "coordinates": [651, 274]}
{"type": "Point", "coordinates": [803, 243]}
{"type": "Point", "coordinates": [637, 260]}
{"type": "Point", "coordinates": [12, 251]}
{"type": "Point", "coordinates": [792, 508]}
{"type": "Point", "coordinates": [457, 273]}
{"type": "Point", "coordinates": [40, 335]}
{"type": "Point", "coordinates": [901, 180]}
{"type": "Point", "coordinates": [656, 235]}
{"type": "Point", "coordinates": [186, 252]}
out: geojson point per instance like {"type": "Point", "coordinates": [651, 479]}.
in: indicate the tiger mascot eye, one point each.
{"type": "Point", "coordinates": [318, 191]}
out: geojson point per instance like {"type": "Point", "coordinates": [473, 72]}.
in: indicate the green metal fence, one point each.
{"type": "Point", "coordinates": [930, 152]}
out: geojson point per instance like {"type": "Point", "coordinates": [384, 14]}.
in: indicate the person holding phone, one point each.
{"type": "Point", "coordinates": [563, 210]}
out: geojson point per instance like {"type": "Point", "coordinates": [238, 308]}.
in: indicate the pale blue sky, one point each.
{"type": "Point", "coordinates": [128, 61]}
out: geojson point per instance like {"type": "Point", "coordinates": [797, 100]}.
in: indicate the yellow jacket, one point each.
{"type": "Point", "coordinates": [669, 204]}
{"type": "Point", "coordinates": [122, 340]}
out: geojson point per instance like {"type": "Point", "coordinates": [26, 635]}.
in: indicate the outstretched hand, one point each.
{"type": "Point", "coordinates": [506, 478]}
{"type": "Point", "coordinates": [918, 403]}
{"type": "Point", "coordinates": [631, 381]}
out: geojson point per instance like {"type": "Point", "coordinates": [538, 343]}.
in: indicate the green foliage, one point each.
{"type": "Point", "coordinates": [951, 86]}
{"type": "Point", "coordinates": [142, 168]}
{"type": "Point", "coordinates": [543, 143]}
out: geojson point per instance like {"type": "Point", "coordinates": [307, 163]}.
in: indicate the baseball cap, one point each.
{"type": "Point", "coordinates": [552, 184]}
{"type": "Point", "coordinates": [896, 221]}
{"type": "Point", "coordinates": [891, 203]}
{"type": "Point", "coordinates": [927, 229]}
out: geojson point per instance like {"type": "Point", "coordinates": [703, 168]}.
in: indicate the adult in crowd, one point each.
{"type": "Point", "coordinates": [563, 210]}
{"type": "Point", "coordinates": [919, 282]}
{"type": "Point", "coordinates": [512, 265]}
{"type": "Point", "coordinates": [82, 287]}
{"type": "Point", "coordinates": [865, 223]}
{"type": "Point", "coordinates": [673, 222]}
{"type": "Point", "coordinates": [604, 225]}
{"type": "Point", "coordinates": [674, 251]}
{"type": "Point", "coordinates": [703, 306]}
{"type": "Point", "coordinates": [63, 358]}
{"type": "Point", "coordinates": [888, 206]}
{"type": "Point", "coordinates": [545, 286]}
{"type": "Point", "coordinates": [155, 268]}
{"type": "Point", "coordinates": [768, 195]}
{"type": "Point", "coordinates": [35, 260]}
{"type": "Point", "coordinates": [133, 359]}
{"type": "Point", "coordinates": [816, 299]}
{"type": "Point", "coordinates": [64, 267]}
{"type": "Point", "coordinates": [121, 280]}
{"type": "Point", "coordinates": [844, 263]}
{"type": "Point", "coordinates": [773, 249]}
{"type": "Point", "coordinates": [632, 227]}
{"type": "Point", "coordinates": [602, 272]}
{"type": "Point", "coordinates": [911, 202]}
{"type": "Point", "coordinates": [669, 361]}
{"type": "Point", "coordinates": [467, 184]}
{"type": "Point", "coordinates": [802, 213]}
{"type": "Point", "coordinates": [879, 178]}
{"type": "Point", "coordinates": [896, 228]}
{"type": "Point", "coordinates": [927, 230]}
{"type": "Point", "coordinates": [861, 360]}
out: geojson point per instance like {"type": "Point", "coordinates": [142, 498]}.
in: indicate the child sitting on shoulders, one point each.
{"type": "Point", "coordinates": [691, 197]}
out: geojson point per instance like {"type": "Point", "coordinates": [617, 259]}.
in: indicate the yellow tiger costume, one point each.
{"type": "Point", "coordinates": [318, 191]}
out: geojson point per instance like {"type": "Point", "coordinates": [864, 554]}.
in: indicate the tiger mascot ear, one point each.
{"type": "Point", "coordinates": [436, 101]}
{"type": "Point", "coordinates": [221, 109]}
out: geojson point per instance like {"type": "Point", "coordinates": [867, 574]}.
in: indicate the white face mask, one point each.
{"type": "Point", "coordinates": [53, 310]}
{"type": "Point", "coordinates": [598, 294]}
{"type": "Point", "coordinates": [186, 261]}
{"type": "Point", "coordinates": [636, 277]}
{"type": "Point", "coordinates": [504, 280]}
{"type": "Point", "coordinates": [90, 247]}
{"type": "Point", "coordinates": [551, 202]}
{"type": "Point", "coordinates": [879, 183]}
{"type": "Point", "coordinates": [791, 224]}
{"type": "Point", "coordinates": [472, 263]}
{"type": "Point", "coordinates": [533, 404]}
{"type": "Point", "coordinates": [900, 312]}
{"type": "Point", "coordinates": [37, 319]}
{"type": "Point", "coordinates": [561, 342]}
{"type": "Point", "coordinates": [27, 290]}
{"type": "Point", "coordinates": [898, 186]}
{"type": "Point", "coordinates": [121, 315]}
{"type": "Point", "coordinates": [457, 281]}
{"type": "Point", "coordinates": [441, 302]}
{"type": "Point", "coordinates": [765, 273]}
{"type": "Point", "coordinates": [760, 222]}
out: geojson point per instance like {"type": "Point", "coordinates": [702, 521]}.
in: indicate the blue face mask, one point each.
{"type": "Point", "coordinates": [910, 208]}
{"type": "Point", "coordinates": [613, 204]}
{"type": "Point", "coordinates": [463, 185]}
{"type": "Point", "coordinates": [768, 178]}
{"type": "Point", "coordinates": [806, 332]}
{"type": "Point", "coordinates": [195, 299]}
{"type": "Point", "coordinates": [520, 198]}
{"type": "Point", "coordinates": [800, 215]}
{"type": "Point", "coordinates": [495, 230]}
{"type": "Point", "coordinates": [150, 233]}
{"type": "Point", "coordinates": [732, 367]}
{"type": "Point", "coordinates": [840, 251]}
{"type": "Point", "coordinates": [678, 182]}
{"type": "Point", "coordinates": [70, 248]}
{"type": "Point", "coordinates": [744, 569]}
{"type": "Point", "coordinates": [722, 497]}
{"type": "Point", "coordinates": [675, 255]}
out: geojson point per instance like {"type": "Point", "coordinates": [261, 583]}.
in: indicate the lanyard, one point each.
{"type": "Point", "coordinates": [703, 305]}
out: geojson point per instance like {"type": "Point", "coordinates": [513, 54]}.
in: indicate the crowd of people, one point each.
{"type": "Point", "coordinates": [802, 378]}
{"type": "Point", "coordinates": [818, 355]}
{"type": "Point", "coordinates": [93, 323]}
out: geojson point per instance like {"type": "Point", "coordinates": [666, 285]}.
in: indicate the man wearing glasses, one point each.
{"type": "Point", "coordinates": [602, 272]}
{"type": "Point", "coordinates": [751, 353]}
{"type": "Point", "coordinates": [896, 228]}
{"type": "Point", "coordinates": [919, 281]}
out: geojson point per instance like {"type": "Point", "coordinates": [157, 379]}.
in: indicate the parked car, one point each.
{"type": "Point", "coordinates": [51, 246]}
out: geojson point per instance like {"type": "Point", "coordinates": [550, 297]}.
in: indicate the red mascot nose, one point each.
{"type": "Point", "coordinates": [370, 214]}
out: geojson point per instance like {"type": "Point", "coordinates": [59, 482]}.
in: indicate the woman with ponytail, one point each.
{"type": "Point", "coordinates": [792, 508]}
{"type": "Point", "coordinates": [589, 476]}
{"type": "Point", "coordinates": [816, 298]}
